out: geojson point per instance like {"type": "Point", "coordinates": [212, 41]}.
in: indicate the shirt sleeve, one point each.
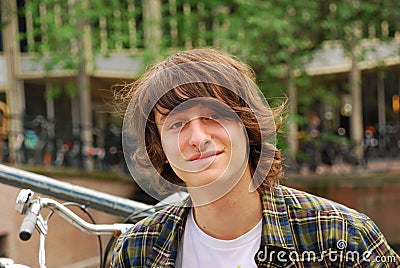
{"type": "Point", "coordinates": [120, 257]}
{"type": "Point", "coordinates": [373, 249]}
{"type": "Point", "coordinates": [134, 246]}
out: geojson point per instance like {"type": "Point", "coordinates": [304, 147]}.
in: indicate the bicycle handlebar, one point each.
{"type": "Point", "coordinates": [27, 226]}
{"type": "Point", "coordinates": [71, 217]}
{"type": "Point", "coordinates": [25, 204]}
{"type": "Point", "coordinates": [32, 207]}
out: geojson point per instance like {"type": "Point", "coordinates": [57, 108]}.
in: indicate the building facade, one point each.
{"type": "Point", "coordinates": [56, 108]}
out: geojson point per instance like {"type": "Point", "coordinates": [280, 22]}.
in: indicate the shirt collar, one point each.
{"type": "Point", "coordinates": [275, 231]}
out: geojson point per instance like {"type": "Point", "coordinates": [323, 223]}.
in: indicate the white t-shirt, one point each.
{"type": "Point", "coordinates": [199, 250]}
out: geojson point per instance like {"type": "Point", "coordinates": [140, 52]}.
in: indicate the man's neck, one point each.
{"type": "Point", "coordinates": [232, 215]}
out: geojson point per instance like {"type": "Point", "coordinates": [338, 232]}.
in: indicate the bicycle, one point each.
{"type": "Point", "coordinates": [33, 207]}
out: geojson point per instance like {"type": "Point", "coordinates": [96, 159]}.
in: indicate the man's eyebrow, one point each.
{"type": "Point", "coordinates": [163, 116]}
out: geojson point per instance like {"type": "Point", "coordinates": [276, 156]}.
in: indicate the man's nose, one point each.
{"type": "Point", "coordinates": [199, 135]}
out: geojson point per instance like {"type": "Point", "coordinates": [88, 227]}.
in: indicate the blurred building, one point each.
{"type": "Point", "coordinates": [49, 120]}
{"type": "Point", "coordinates": [380, 79]}
{"type": "Point", "coordinates": [54, 123]}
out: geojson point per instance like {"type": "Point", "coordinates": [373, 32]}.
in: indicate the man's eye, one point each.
{"type": "Point", "coordinates": [214, 117]}
{"type": "Point", "coordinates": [177, 125]}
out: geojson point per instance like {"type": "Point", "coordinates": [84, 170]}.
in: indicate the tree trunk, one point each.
{"type": "Point", "coordinates": [85, 101]}
{"type": "Point", "coordinates": [381, 104]}
{"type": "Point", "coordinates": [152, 25]}
{"type": "Point", "coordinates": [292, 137]}
{"type": "Point", "coordinates": [356, 118]}
{"type": "Point", "coordinates": [15, 87]}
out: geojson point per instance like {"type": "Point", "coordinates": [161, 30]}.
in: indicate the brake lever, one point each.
{"type": "Point", "coordinates": [23, 201]}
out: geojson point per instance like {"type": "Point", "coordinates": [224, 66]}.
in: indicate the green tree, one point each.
{"type": "Point", "coordinates": [67, 35]}
{"type": "Point", "coordinates": [277, 38]}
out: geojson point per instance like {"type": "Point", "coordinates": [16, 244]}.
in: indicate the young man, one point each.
{"type": "Point", "coordinates": [201, 125]}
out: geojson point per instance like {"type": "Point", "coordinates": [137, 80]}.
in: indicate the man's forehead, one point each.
{"type": "Point", "coordinates": [200, 108]}
{"type": "Point", "coordinates": [205, 104]}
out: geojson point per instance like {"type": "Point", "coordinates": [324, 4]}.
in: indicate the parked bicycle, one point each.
{"type": "Point", "coordinates": [34, 209]}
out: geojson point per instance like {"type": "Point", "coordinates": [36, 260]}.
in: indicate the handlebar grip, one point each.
{"type": "Point", "coordinates": [27, 226]}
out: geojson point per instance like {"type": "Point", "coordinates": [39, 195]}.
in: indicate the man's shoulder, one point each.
{"type": "Point", "coordinates": [173, 213]}
{"type": "Point", "coordinates": [168, 217]}
{"type": "Point", "coordinates": [159, 229]}
{"type": "Point", "coordinates": [297, 200]}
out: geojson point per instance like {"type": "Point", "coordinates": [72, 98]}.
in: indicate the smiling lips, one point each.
{"type": "Point", "coordinates": [204, 155]}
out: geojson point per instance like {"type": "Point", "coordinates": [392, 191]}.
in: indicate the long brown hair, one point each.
{"type": "Point", "coordinates": [172, 88]}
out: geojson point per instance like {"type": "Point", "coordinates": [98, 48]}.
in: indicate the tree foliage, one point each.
{"type": "Point", "coordinates": [352, 21]}
{"type": "Point", "coordinates": [56, 26]}
{"type": "Point", "coordinates": [272, 36]}
{"type": "Point", "coordinates": [268, 34]}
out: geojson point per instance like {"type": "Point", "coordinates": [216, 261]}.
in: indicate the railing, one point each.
{"type": "Point", "coordinates": [70, 192]}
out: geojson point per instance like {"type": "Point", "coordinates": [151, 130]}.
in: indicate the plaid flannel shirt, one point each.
{"type": "Point", "coordinates": [299, 230]}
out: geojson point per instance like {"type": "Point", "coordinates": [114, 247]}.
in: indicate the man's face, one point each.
{"type": "Point", "coordinates": [203, 145]}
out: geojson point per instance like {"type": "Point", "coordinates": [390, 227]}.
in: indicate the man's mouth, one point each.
{"type": "Point", "coordinates": [204, 155]}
